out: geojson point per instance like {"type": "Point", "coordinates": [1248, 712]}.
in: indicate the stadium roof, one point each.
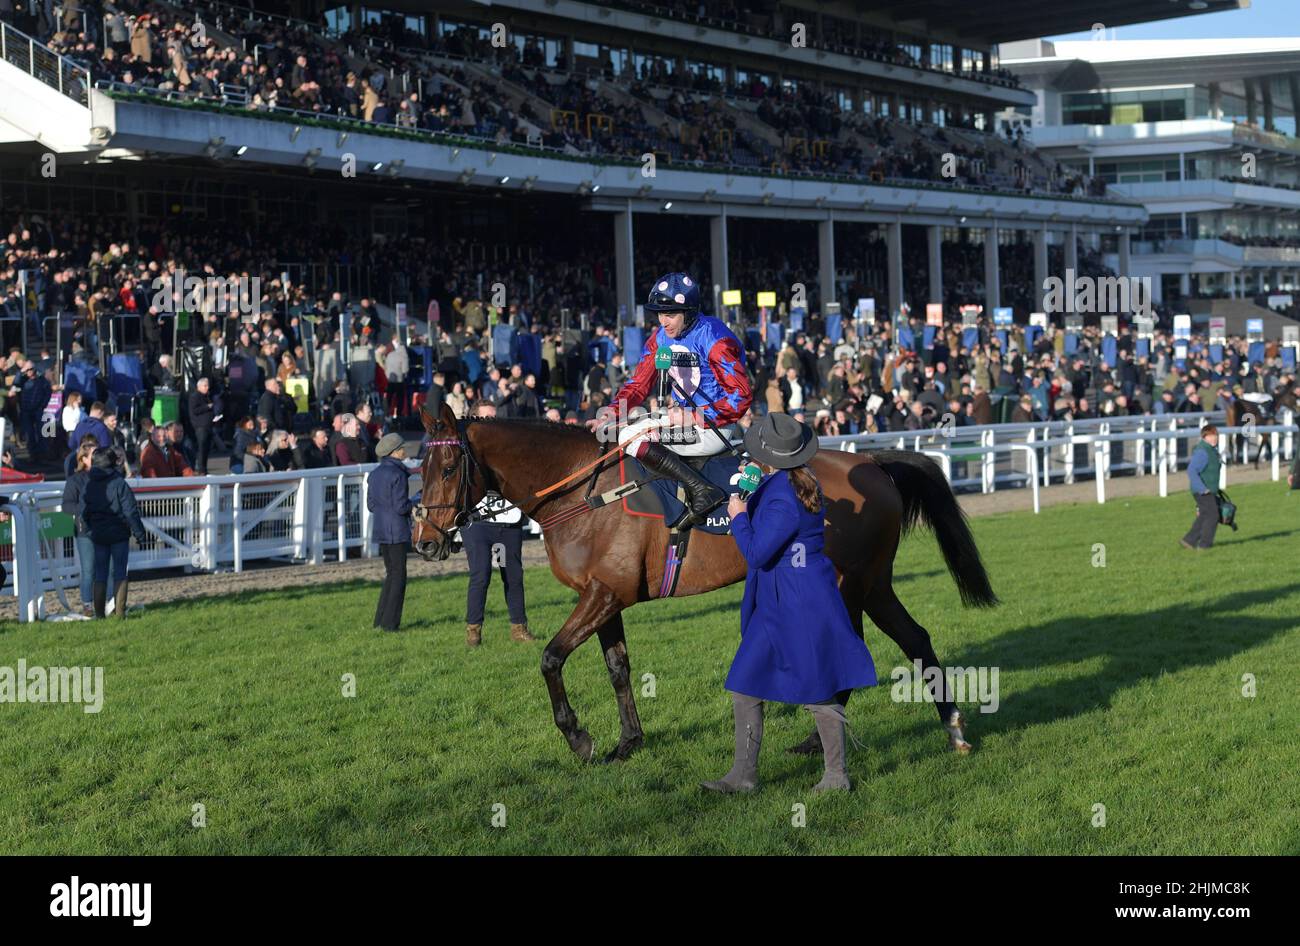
{"type": "Point", "coordinates": [995, 21]}
{"type": "Point", "coordinates": [1134, 62]}
{"type": "Point", "coordinates": [1003, 21]}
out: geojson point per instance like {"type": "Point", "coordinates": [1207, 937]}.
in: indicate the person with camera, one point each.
{"type": "Point", "coordinates": [1203, 476]}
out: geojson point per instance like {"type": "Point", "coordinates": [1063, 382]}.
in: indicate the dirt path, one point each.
{"type": "Point", "coordinates": [155, 587]}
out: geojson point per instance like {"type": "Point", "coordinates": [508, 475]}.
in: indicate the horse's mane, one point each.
{"type": "Point", "coordinates": [540, 423]}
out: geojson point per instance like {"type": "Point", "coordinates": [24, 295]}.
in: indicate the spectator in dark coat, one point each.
{"type": "Point", "coordinates": [245, 436]}
{"type": "Point", "coordinates": [276, 406]}
{"type": "Point", "coordinates": [109, 509]}
{"type": "Point", "coordinates": [92, 424]}
{"type": "Point", "coordinates": [388, 498]}
{"type": "Point", "coordinates": [202, 417]}
{"type": "Point", "coordinates": [74, 489]}
{"type": "Point", "coordinates": [313, 454]}
{"type": "Point", "coordinates": [32, 401]}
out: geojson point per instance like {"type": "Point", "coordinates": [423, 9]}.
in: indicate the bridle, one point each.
{"type": "Point", "coordinates": [466, 464]}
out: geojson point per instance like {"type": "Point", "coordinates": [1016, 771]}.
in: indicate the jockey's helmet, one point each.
{"type": "Point", "coordinates": [675, 292]}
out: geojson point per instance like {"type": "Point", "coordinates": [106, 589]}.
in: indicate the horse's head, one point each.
{"type": "Point", "coordinates": [447, 485]}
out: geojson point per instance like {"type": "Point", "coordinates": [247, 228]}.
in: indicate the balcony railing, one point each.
{"type": "Point", "coordinates": [42, 63]}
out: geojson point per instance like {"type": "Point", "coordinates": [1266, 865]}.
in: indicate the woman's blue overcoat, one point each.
{"type": "Point", "coordinates": [797, 641]}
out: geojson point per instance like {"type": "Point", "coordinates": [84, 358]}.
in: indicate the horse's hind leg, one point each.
{"type": "Point", "coordinates": [596, 606]}
{"type": "Point", "coordinates": [614, 644]}
{"type": "Point", "coordinates": [888, 613]}
{"type": "Point", "coordinates": [851, 590]}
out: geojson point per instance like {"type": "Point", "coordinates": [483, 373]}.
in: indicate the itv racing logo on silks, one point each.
{"type": "Point", "coordinates": [87, 899]}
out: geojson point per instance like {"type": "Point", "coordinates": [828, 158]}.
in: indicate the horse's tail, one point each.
{"type": "Point", "coordinates": [928, 500]}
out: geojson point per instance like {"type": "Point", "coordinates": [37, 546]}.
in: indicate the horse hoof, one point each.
{"type": "Point", "coordinates": [623, 750]}
{"type": "Point", "coordinates": [583, 745]}
{"type": "Point", "coordinates": [810, 746]}
{"type": "Point", "coordinates": [956, 736]}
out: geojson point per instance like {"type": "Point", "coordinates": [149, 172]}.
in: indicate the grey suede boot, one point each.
{"type": "Point", "coordinates": [743, 776]}
{"type": "Point", "coordinates": [831, 721]}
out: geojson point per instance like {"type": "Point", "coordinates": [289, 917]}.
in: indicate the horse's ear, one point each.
{"type": "Point", "coordinates": [447, 417]}
{"type": "Point", "coordinates": [428, 420]}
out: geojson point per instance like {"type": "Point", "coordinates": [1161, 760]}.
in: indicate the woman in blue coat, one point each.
{"type": "Point", "coordinates": [798, 644]}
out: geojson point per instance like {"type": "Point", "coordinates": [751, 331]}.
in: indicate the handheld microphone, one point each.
{"type": "Point", "coordinates": [750, 477]}
{"type": "Point", "coordinates": [663, 362]}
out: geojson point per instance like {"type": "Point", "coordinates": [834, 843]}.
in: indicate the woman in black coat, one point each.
{"type": "Point", "coordinates": [109, 510]}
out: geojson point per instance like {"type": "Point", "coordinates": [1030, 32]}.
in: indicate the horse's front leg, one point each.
{"type": "Point", "coordinates": [614, 644]}
{"type": "Point", "coordinates": [595, 607]}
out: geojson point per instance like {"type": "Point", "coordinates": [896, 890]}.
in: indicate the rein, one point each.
{"type": "Point", "coordinates": [468, 462]}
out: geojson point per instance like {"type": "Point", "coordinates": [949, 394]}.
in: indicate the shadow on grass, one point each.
{"type": "Point", "coordinates": [1135, 648]}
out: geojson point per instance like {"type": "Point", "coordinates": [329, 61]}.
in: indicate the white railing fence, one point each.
{"type": "Point", "coordinates": [212, 523]}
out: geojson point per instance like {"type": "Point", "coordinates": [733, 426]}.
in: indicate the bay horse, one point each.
{"type": "Point", "coordinates": [614, 561]}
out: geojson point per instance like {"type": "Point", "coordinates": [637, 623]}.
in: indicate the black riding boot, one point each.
{"type": "Point", "coordinates": [99, 591]}
{"type": "Point", "coordinates": [701, 495]}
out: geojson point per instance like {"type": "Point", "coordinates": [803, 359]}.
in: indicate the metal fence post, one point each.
{"type": "Point", "coordinates": [205, 552]}
{"type": "Point", "coordinates": [1100, 446]}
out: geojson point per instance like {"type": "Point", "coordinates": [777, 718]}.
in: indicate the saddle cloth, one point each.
{"type": "Point", "coordinates": [658, 498]}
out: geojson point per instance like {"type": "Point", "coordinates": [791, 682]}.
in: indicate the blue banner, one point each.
{"type": "Point", "coordinates": [905, 338]}
{"type": "Point", "coordinates": [927, 336]}
{"type": "Point", "coordinates": [633, 342]}
{"type": "Point", "coordinates": [1109, 349]}
{"type": "Point", "coordinates": [1071, 343]}
{"type": "Point", "coordinates": [1031, 336]}
{"type": "Point", "coordinates": [1288, 358]}
{"type": "Point", "coordinates": [1255, 353]}
{"type": "Point", "coordinates": [1216, 353]}
{"type": "Point", "coordinates": [530, 353]}
{"type": "Point", "coordinates": [796, 320]}
{"type": "Point", "coordinates": [1144, 348]}
{"type": "Point", "coordinates": [1002, 338]}
{"type": "Point", "coordinates": [834, 327]}
{"type": "Point", "coordinates": [970, 337]}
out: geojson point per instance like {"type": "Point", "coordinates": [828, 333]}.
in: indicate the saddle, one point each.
{"type": "Point", "coordinates": [665, 498]}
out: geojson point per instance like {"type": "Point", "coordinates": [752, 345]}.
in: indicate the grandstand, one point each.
{"type": "Point", "coordinates": [416, 155]}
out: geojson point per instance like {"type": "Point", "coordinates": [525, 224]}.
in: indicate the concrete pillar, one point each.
{"type": "Point", "coordinates": [1263, 281]}
{"type": "Point", "coordinates": [718, 257]}
{"type": "Point", "coordinates": [992, 275]}
{"type": "Point", "coordinates": [894, 276]}
{"type": "Point", "coordinates": [934, 236]}
{"type": "Point", "coordinates": [1072, 250]}
{"type": "Point", "coordinates": [1125, 248]}
{"type": "Point", "coordinates": [1293, 84]}
{"type": "Point", "coordinates": [826, 262]}
{"type": "Point", "coordinates": [624, 270]}
{"type": "Point", "coordinates": [1251, 111]}
{"type": "Point", "coordinates": [1216, 101]}
{"type": "Point", "coordinates": [1232, 285]}
{"type": "Point", "coordinates": [1185, 284]}
{"type": "Point", "coordinates": [1040, 269]}
{"type": "Point", "coordinates": [1266, 93]}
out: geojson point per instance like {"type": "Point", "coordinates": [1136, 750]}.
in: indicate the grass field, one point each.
{"type": "Point", "coordinates": [1120, 685]}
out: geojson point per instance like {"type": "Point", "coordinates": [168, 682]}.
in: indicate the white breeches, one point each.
{"type": "Point", "coordinates": [708, 444]}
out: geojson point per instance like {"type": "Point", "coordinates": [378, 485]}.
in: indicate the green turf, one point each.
{"type": "Point", "coordinates": [1120, 686]}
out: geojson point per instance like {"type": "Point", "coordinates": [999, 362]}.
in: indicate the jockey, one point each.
{"type": "Point", "coordinates": [708, 365]}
